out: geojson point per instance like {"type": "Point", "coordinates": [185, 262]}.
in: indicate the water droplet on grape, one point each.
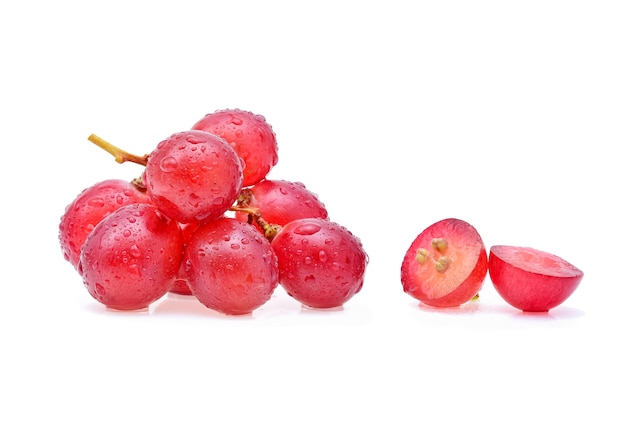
{"type": "Point", "coordinates": [195, 139]}
{"type": "Point", "coordinates": [307, 229]}
{"type": "Point", "coordinates": [96, 202]}
{"type": "Point", "coordinates": [169, 164]}
{"type": "Point", "coordinates": [282, 190]}
{"type": "Point", "coordinates": [100, 290]}
{"type": "Point", "coordinates": [310, 278]}
{"type": "Point", "coordinates": [134, 251]}
{"type": "Point", "coordinates": [236, 121]}
{"type": "Point", "coordinates": [127, 233]}
{"type": "Point", "coordinates": [239, 134]}
{"type": "Point", "coordinates": [226, 237]}
{"type": "Point", "coordinates": [235, 246]}
{"type": "Point", "coordinates": [308, 260]}
{"type": "Point", "coordinates": [322, 256]}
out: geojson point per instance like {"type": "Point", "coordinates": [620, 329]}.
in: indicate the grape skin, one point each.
{"type": "Point", "coordinates": [91, 206]}
{"type": "Point", "coordinates": [131, 257]}
{"type": "Point", "coordinates": [321, 263]}
{"type": "Point", "coordinates": [250, 135]}
{"type": "Point", "coordinates": [230, 266]}
{"type": "Point", "coordinates": [282, 201]}
{"type": "Point", "coordinates": [193, 176]}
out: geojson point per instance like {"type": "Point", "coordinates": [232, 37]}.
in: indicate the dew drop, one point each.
{"type": "Point", "coordinates": [127, 233]}
{"type": "Point", "coordinates": [100, 290]}
{"type": "Point", "coordinates": [307, 229]}
{"type": "Point", "coordinates": [96, 202]}
{"type": "Point", "coordinates": [195, 139]}
{"type": "Point", "coordinates": [134, 251]}
{"type": "Point", "coordinates": [169, 164]}
{"type": "Point", "coordinates": [322, 256]}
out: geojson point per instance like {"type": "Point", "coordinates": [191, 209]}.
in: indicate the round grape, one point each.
{"type": "Point", "coordinates": [131, 257]}
{"type": "Point", "coordinates": [91, 206]}
{"type": "Point", "coordinates": [321, 263]}
{"type": "Point", "coordinates": [193, 176]}
{"type": "Point", "coordinates": [250, 135]}
{"type": "Point", "coordinates": [281, 201]}
{"type": "Point", "coordinates": [231, 267]}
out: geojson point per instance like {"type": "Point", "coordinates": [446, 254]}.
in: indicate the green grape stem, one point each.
{"type": "Point", "coordinates": [120, 155]}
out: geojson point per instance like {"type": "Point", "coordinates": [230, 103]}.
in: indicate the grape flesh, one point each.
{"type": "Point", "coordinates": [91, 206]}
{"type": "Point", "coordinates": [231, 267]}
{"type": "Point", "coordinates": [131, 257]}
{"type": "Point", "coordinates": [282, 201]}
{"type": "Point", "coordinates": [193, 176]}
{"type": "Point", "coordinates": [250, 135]}
{"type": "Point", "coordinates": [321, 263]}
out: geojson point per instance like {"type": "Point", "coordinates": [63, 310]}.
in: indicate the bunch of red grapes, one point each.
{"type": "Point", "coordinates": [203, 219]}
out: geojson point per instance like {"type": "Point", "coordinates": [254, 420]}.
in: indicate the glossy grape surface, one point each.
{"type": "Point", "coordinates": [131, 257]}
{"type": "Point", "coordinates": [281, 201]}
{"type": "Point", "coordinates": [91, 206]}
{"type": "Point", "coordinates": [231, 267]}
{"type": "Point", "coordinates": [193, 176]}
{"type": "Point", "coordinates": [250, 135]}
{"type": "Point", "coordinates": [321, 263]}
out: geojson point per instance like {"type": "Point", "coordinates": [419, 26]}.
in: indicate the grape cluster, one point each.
{"type": "Point", "coordinates": [203, 219]}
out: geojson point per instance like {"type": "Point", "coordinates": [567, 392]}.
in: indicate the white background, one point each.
{"type": "Point", "coordinates": [509, 115]}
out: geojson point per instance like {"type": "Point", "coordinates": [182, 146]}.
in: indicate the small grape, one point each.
{"type": "Point", "coordinates": [193, 176]}
{"type": "Point", "coordinates": [91, 206]}
{"type": "Point", "coordinates": [131, 257]}
{"type": "Point", "coordinates": [281, 201]}
{"type": "Point", "coordinates": [321, 263]}
{"type": "Point", "coordinates": [231, 267]}
{"type": "Point", "coordinates": [250, 135]}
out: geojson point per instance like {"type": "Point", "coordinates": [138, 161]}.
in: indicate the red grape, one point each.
{"type": "Point", "coordinates": [131, 257]}
{"type": "Point", "coordinates": [530, 279]}
{"type": "Point", "coordinates": [231, 267]}
{"type": "Point", "coordinates": [321, 264]}
{"type": "Point", "coordinates": [446, 264]}
{"type": "Point", "coordinates": [250, 135]}
{"type": "Point", "coordinates": [281, 201]}
{"type": "Point", "coordinates": [193, 176]}
{"type": "Point", "coordinates": [89, 208]}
